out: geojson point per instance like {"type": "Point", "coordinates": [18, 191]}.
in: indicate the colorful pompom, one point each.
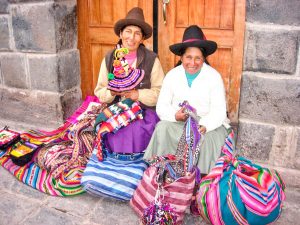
{"type": "Point", "coordinates": [159, 214]}
{"type": "Point", "coordinates": [110, 76]}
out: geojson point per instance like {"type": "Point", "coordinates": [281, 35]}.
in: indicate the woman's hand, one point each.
{"type": "Point", "coordinates": [180, 115]}
{"type": "Point", "coordinates": [202, 129]}
{"type": "Point", "coordinates": [132, 94]}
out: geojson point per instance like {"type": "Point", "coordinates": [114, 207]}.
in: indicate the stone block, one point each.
{"type": "Point", "coordinates": [283, 153]}
{"type": "Point", "coordinates": [43, 72]}
{"type": "Point", "coordinates": [81, 206]}
{"type": "Point", "coordinates": [32, 107]}
{"type": "Point", "coordinates": [48, 27]}
{"type": "Point", "coordinates": [1, 78]}
{"type": "Point", "coordinates": [254, 141]}
{"type": "Point", "coordinates": [14, 70]}
{"type": "Point", "coordinates": [273, 11]}
{"type": "Point", "coordinates": [6, 182]}
{"type": "Point", "coordinates": [4, 6]}
{"type": "Point", "coordinates": [106, 205]}
{"type": "Point", "coordinates": [297, 158]}
{"type": "Point", "coordinates": [56, 72]}
{"type": "Point", "coordinates": [271, 51]}
{"type": "Point", "coordinates": [274, 101]}
{"type": "Point", "coordinates": [25, 1]}
{"type": "Point", "coordinates": [4, 33]}
{"type": "Point", "coordinates": [70, 101]}
{"type": "Point", "coordinates": [291, 208]}
{"type": "Point", "coordinates": [45, 215]}
{"type": "Point", "coordinates": [65, 15]}
{"type": "Point", "coordinates": [33, 27]}
{"type": "Point", "coordinates": [68, 70]}
{"type": "Point", "coordinates": [10, 202]}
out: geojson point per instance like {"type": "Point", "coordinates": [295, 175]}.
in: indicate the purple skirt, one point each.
{"type": "Point", "coordinates": [135, 137]}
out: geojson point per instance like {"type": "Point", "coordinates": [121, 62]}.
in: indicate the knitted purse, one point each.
{"type": "Point", "coordinates": [7, 138]}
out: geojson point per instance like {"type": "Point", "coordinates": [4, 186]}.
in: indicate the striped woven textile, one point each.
{"type": "Point", "coordinates": [228, 146]}
{"type": "Point", "coordinates": [178, 193]}
{"type": "Point", "coordinates": [115, 117]}
{"type": "Point", "coordinates": [114, 110]}
{"type": "Point", "coordinates": [238, 191]}
{"type": "Point", "coordinates": [68, 183]}
{"type": "Point", "coordinates": [117, 176]}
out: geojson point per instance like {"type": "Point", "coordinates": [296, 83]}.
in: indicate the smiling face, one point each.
{"type": "Point", "coordinates": [192, 60]}
{"type": "Point", "coordinates": [132, 37]}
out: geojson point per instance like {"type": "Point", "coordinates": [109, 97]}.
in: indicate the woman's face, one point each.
{"type": "Point", "coordinates": [132, 37]}
{"type": "Point", "coordinates": [192, 60]}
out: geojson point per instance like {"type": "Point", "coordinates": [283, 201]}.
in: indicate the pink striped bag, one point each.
{"type": "Point", "coordinates": [177, 193]}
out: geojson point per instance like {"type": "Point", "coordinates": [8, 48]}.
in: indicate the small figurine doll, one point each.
{"type": "Point", "coordinates": [120, 60]}
{"type": "Point", "coordinates": [124, 77]}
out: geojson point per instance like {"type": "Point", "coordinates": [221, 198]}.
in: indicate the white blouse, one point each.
{"type": "Point", "coordinates": [206, 95]}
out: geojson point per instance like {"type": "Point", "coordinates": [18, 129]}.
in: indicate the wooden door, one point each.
{"type": "Point", "coordinates": [221, 20]}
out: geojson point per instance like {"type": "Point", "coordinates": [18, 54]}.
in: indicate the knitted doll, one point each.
{"type": "Point", "coordinates": [124, 77]}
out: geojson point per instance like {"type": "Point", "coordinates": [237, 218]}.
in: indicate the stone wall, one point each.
{"type": "Point", "coordinates": [39, 63]}
{"type": "Point", "coordinates": [269, 115]}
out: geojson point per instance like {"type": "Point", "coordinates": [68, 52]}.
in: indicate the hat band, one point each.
{"type": "Point", "coordinates": [194, 39]}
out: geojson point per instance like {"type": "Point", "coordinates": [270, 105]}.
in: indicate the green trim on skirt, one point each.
{"type": "Point", "coordinates": [166, 137]}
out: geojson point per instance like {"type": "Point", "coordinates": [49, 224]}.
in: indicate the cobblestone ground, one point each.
{"type": "Point", "coordinates": [21, 204]}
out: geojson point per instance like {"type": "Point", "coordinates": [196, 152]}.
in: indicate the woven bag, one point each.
{"type": "Point", "coordinates": [238, 191]}
{"type": "Point", "coordinates": [177, 193]}
{"type": "Point", "coordinates": [117, 176]}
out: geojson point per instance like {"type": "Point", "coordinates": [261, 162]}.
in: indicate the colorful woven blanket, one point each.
{"type": "Point", "coordinates": [114, 118]}
{"type": "Point", "coordinates": [58, 157]}
{"type": "Point", "coordinates": [68, 183]}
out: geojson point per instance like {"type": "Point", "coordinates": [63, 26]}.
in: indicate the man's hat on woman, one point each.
{"type": "Point", "coordinates": [193, 37]}
{"type": "Point", "coordinates": [134, 17]}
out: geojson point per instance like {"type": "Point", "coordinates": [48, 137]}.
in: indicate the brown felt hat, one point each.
{"type": "Point", "coordinates": [193, 37]}
{"type": "Point", "coordinates": [134, 17]}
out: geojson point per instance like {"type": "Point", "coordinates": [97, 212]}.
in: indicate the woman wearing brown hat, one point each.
{"type": "Point", "coordinates": [143, 86]}
{"type": "Point", "coordinates": [202, 86]}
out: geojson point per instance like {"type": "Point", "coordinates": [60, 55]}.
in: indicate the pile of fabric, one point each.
{"type": "Point", "coordinates": [57, 166]}
{"type": "Point", "coordinates": [76, 158]}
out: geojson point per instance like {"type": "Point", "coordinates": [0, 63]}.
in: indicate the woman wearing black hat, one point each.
{"type": "Point", "coordinates": [142, 83]}
{"type": "Point", "coordinates": [202, 86]}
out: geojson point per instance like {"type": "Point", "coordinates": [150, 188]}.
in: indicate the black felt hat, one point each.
{"type": "Point", "coordinates": [193, 37]}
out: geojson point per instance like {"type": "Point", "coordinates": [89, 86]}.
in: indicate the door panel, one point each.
{"type": "Point", "coordinates": [221, 20]}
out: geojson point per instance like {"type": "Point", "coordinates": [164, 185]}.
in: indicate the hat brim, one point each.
{"type": "Point", "coordinates": [146, 28]}
{"type": "Point", "coordinates": [209, 46]}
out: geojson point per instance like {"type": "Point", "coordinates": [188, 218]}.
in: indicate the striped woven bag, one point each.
{"type": "Point", "coordinates": [237, 191]}
{"type": "Point", "coordinates": [117, 176]}
{"type": "Point", "coordinates": [177, 193]}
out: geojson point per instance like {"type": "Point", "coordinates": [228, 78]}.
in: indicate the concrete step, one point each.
{"type": "Point", "coordinates": [21, 204]}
